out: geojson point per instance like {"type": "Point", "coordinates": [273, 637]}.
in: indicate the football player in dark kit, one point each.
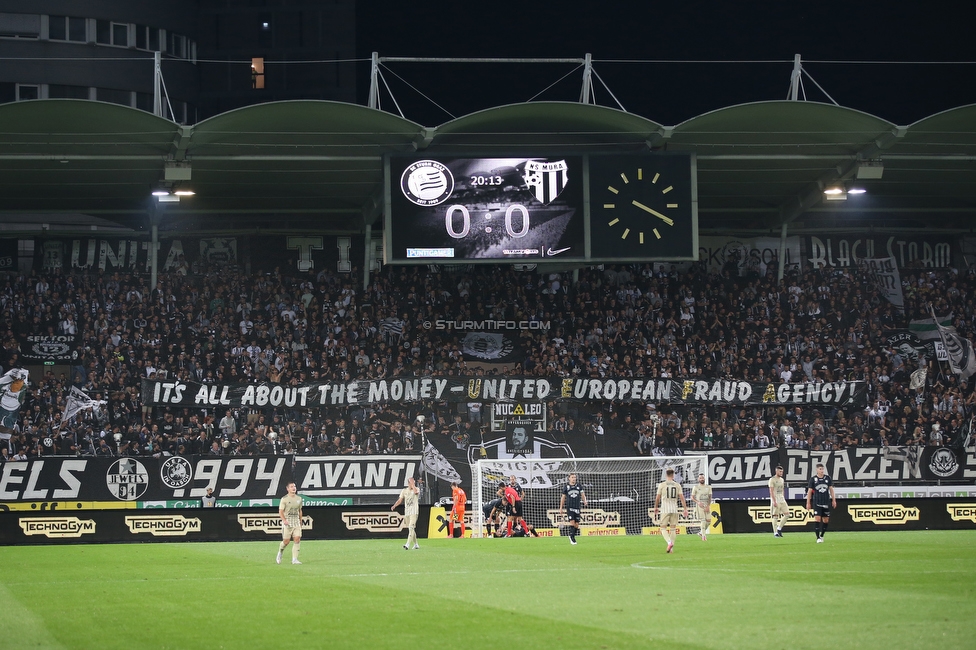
{"type": "Point", "coordinates": [569, 503]}
{"type": "Point", "coordinates": [820, 490]}
{"type": "Point", "coordinates": [524, 529]}
{"type": "Point", "coordinates": [493, 509]}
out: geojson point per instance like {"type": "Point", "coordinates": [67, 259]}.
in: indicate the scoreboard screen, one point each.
{"type": "Point", "coordinates": [551, 208]}
{"type": "Point", "coordinates": [485, 209]}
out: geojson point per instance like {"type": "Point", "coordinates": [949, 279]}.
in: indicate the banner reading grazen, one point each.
{"type": "Point", "coordinates": [465, 389]}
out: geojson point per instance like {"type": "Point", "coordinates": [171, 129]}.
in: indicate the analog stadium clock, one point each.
{"type": "Point", "coordinates": [643, 207]}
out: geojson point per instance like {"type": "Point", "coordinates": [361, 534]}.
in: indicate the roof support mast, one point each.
{"type": "Point", "coordinates": [586, 94]}
{"type": "Point", "coordinates": [796, 80]}
{"type": "Point", "coordinates": [159, 89]}
{"type": "Point", "coordinates": [374, 78]}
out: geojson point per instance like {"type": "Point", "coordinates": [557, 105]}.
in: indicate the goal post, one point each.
{"type": "Point", "coordinates": [620, 492]}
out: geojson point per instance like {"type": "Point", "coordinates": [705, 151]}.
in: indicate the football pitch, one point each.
{"type": "Point", "coordinates": [865, 589]}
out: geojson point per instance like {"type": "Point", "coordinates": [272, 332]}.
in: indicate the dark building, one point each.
{"type": "Point", "coordinates": [277, 50]}
{"type": "Point", "coordinates": [100, 50]}
{"type": "Point", "coordinates": [216, 55]}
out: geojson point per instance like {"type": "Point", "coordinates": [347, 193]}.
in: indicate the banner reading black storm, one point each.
{"type": "Point", "coordinates": [483, 389]}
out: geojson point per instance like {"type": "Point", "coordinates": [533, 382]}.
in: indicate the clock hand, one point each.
{"type": "Point", "coordinates": [657, 214]}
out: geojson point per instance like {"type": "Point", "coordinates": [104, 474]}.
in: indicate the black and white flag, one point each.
{"type": "Point", "coordinates": [491, 347]}
{"type": "Point", "coordinates": [883, 274]}
{"type": "Point", "coordinates": [392, 328]}
{"type": "Point", "coordinates": [962, 359]}
{"type": "Point", "coordinates": [435, 463]}
{"type": "Point", "coordinates": [77, 402]}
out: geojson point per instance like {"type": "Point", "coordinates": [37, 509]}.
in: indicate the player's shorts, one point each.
{"type": "Point", "coordinates": [573, 514]}
{"type": "Point", "coordinates": [457, 514]}
{"type": "Point", "coordinates": [703, 513]}
{"type": "Point", "coordinates": [781, 508]}
{"type": "Point", "coordinates": [669, 520]}
{"type": "Point", "coordinates": [821, 511]}
{"type": "Point", "coordinates": [515, 510]}
{"type": "Point", "coordinates": [410, 521]}
{"type": "Point", "coordinates": [288, 532]}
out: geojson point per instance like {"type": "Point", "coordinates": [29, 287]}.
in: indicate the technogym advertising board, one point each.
{"type": "Point", "coordinates": [205, 524]}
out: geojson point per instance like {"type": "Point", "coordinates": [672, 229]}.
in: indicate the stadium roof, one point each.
{"type": "Point", "coordinates": [318, 165]}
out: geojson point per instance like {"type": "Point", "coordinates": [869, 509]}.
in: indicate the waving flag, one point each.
{"type": "Point", "coordinates": [435, 463]}
{"type": "Point", "coordinates": [962, 359]}
{"type": "Point", "coordinates": [77, 402]}
{"type": "Point", "coordinates": [13, 391]}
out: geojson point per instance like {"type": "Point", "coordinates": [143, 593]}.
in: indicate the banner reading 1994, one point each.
{"type": "Point", "coordinates": [465, 389]}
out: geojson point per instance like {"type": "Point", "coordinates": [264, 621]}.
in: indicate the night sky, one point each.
{"type": "Point", "coordinates": [668, 91]}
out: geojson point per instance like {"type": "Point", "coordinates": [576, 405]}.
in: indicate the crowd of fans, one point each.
{"type": "Point", "coordinates": [220, 325]}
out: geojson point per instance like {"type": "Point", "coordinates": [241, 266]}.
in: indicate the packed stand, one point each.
{"type": "Point", "coordinates": [626, 321]}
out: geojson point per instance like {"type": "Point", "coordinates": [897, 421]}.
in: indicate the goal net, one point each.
{"type": "Point", "coordinates": [620, 492]}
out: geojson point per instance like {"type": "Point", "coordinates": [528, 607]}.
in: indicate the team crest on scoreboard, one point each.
{"type": "Point", "coordinates": [427, 182]}
{"type": "Point", "coordinates": [546, 180]}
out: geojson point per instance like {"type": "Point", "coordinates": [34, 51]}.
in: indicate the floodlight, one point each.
{"type": "Point", "coordinates": [835, 193]}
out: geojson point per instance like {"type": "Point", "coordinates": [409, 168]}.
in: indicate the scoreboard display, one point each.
{"type": "Point", "coordinates": [545, 208]}
{"type": "Point", "coordinates": [492, 209]}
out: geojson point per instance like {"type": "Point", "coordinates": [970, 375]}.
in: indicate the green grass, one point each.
{"type": "Point", "coordinates": [865, 590]}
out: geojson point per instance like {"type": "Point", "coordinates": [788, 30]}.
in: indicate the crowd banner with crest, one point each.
{"type": "Point", "coordinates": [69, 481]}
{"type": "Point", "coordinates": [85, 483]}
{"type": "Point", "coordinates": [56, 348]}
